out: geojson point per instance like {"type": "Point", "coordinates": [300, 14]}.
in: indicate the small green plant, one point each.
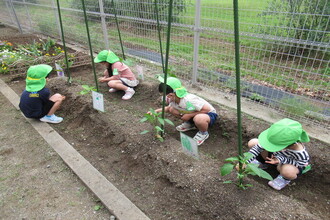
{"type": "Point", "coordinates": [87, 89]}
{"type": "Point", "coordinates": [257, 97]}
{"type": "Point", "coordinates": [155, 119]}
{"type": "Point", "coordinates": [98, 207]}
{"type": "Point", "coordinates": [46, 46]}
{"type": "Point", "coordinates": [244, 169]}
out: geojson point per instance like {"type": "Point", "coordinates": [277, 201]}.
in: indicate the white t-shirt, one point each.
{"type": "Point", "coordinates": [191, 103]}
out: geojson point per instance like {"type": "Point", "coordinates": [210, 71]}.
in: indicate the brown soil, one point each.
{"type": "Point", "coordinates": [164, 182]}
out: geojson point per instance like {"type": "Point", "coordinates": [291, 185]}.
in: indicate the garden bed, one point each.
{"type": "Point", "coordinates": [158, 177]}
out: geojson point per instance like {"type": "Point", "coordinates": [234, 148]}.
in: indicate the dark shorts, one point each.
{"type": "Point", "coordinates": [46, 107]}
{"type": "Point", "coordinates": [262, 160]}
{"type": "Point", "coordinates": [213, 118]}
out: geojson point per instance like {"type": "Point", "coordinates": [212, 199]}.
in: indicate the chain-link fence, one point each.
{"type": "Point", "coordinates": [284, 44]}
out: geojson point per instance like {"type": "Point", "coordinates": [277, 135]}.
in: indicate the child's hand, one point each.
{"type": "Point", "coordinates": [149, 113]}
{"type": "Point", "coordinates": [63, 97]}
{"type": "Point", "coordinates": [272, 160]}
{"type": "Point", "coordinates": [102, 79]}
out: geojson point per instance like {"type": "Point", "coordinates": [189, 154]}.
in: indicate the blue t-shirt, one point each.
{"type": "Point", "coordinates": [32, 103]}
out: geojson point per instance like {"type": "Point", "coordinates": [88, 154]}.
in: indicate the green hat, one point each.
{"type": "Point", "coordinates": [282, 134]}
{"type": "Point", "coordinates": [106, 55]}
{"type": "Point", "coordinates": [176, 85]}
{"type": "Point", "coordinates": [36, 77]}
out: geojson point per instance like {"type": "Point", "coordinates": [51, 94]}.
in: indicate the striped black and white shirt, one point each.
{"type": "Point", "coordinates": [297, 158]}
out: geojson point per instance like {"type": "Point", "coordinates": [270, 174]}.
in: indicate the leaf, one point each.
{"type": "Point", "coordinates": [158, 128]}
{"type": "Point", "coordinates": [144, 119]}
{"type": "Point", "coordinates": [84, 92]}
{"type": "Point", "coordinates": [307, 168]}
{"type": "Point", "coordinates": [231, 159]}
{"type": "Point", "coordinates": [226, 169]}
{"type": "Point", "coordinates": [253, 168]}
{"type": "Point", "coordinates": [85, 86]}
{"type": "Point", "coordinates": [169, 121]}
{"type": "Point", "coordinates": [97, 207]}
{"type": "Point", "coordinates": [228, 181]}
{"type": "Point", "coordinates": [247, 156]}
{"type": "Point", "coordinates": [161, 121]}
{"type": "Point", "coordinates": [265, 175]}
{"type": "Point", "coordinates": [144, 132]}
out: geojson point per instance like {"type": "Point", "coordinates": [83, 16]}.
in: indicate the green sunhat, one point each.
{"type": "Point", "coordinates": [36, 77]}
{"type": "Point", "coordinates": [282, 134]}
{"type": "Point", "coordinates": [106, 55]}
{"type": "Point", "coordinates": [176, 85]}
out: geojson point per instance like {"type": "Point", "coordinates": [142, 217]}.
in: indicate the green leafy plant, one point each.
{"type": "Point", "coordinates": [87, 89]}
{"type": "Point", "coordinates": [244, 169]}
{"type": "Point", "coordinates": [257, 97]}
{"type": "Point", "coordinates": [46, 46]}
{"type": "Point", "coordinates": [155, 119]}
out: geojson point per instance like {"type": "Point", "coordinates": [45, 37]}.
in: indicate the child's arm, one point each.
{"type": "Point", "coordinates": [282, 159]}
{"type": "Point", "coordinates": [160, 109]}
{"type": "Point", "coordinates": [205, 109]}
{"type": "Point", "coordinates": [255, 150]}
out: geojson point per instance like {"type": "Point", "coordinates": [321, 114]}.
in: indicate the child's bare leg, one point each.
{"type": "Point", "coordinates": [288, 171]}
{"type": "Point", "coordinates": [253, 142]}
{"type": "Point", "coordinates": [202, 122]}
{"type": "Point", "coordinates": [117, 84]}
{"type": "Point", "coordinates": [57, 99]}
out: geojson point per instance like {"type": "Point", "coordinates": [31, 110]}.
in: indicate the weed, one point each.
{"type": "Point", "coordinates": [155, 119]}
{"type": "Point", "coordinates": [297, 106]}
{"type": "Point", "coordinates": [87, 89]}
{"type": "Point", "coordinates": [257, 97]}
{"type": "Point", "coordinates": [244, 169]}
{"type": "Point", "coordinates": [98, 207]}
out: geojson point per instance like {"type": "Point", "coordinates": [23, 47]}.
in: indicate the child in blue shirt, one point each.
{"type": "Point", "coordinates": [35, 101]}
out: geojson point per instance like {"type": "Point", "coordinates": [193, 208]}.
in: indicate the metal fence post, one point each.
{"type": "Point", "coordinates": [104, 26]}
{"type": "Point", "coordinates": [196, 40]}
{"type": "Point", "coordinates": [9, 11]}
{"type": "Point", "coordinates": [16, 18]}
{"type": "Point", "coordinates": [57, 19]}
{"type": "Point", "coordinates": [28, 13]}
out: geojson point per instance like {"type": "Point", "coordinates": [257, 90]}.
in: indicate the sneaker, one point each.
{"type": "Point", "coordinates": [51, 119]}
{"type": "Point", "coordinates": [185, 126]}
{"type": "Point", "coordinates": [279, 182]}
{"type": "Point", "coordinates": [200, 137]}
{"type": "Point", "coordinates": [260, 165]}
{"type": "Point", "coordinates": [128, 94]}
{"type": "Point", "coordinates": [112, 90]}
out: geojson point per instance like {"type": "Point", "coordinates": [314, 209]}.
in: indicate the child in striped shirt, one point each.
{"type": "Point", "coordinates": [281, 145]}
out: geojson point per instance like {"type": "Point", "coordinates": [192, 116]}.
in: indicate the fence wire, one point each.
{"type": "Point", "coordinates": [285, 47]}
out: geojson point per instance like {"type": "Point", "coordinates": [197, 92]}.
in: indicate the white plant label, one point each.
{"type": "Point", "coordinates": [59, 70]}
{"type": "Point", "coordinates": [98, 101]}
{"type": "Point", "coordinates": [189, 145]}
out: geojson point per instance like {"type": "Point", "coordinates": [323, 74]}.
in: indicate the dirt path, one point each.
{"type": "Point", "coordinates": [34, 181]}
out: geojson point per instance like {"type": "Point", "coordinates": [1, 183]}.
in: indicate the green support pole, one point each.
{"type": "Point", "coordinates": [90, 45]}
{"type": "Point", "coordinates": [63, 40]}
{"type": "Point", "coordinates": [238, 85]}
{"type": "Point", "coordinates": [166, 58]}
{"type": "Point", "coordinates": [119, 35]}
{"type": "Point", "coordinates": [159, 37]}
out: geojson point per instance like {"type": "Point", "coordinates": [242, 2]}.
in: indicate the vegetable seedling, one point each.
{"type": "Point", "coordinates": [244, 169]}
{"type": "Point", "coordinates": [155, 119]}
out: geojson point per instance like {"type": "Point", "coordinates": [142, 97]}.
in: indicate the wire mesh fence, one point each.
{"type": "Point", "coordinates": [284, 44]}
